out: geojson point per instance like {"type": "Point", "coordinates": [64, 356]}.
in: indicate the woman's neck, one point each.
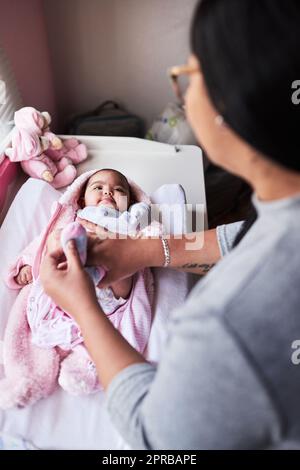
{"type": "Point", "coordinates": [271, 182]}
{"type": "Point", "coordinates": [270, 190]}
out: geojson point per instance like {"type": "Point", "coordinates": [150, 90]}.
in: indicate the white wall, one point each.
{"type": "Point", "coordinates": [116, 49]}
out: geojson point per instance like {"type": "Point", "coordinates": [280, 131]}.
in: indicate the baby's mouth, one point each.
{"type": "Point", "coordinates": [107, 200]}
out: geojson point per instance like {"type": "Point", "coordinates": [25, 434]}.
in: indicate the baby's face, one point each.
{"type": "Point", "coordinates": [109, 189]}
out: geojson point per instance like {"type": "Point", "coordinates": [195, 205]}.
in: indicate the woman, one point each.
{"type": "Point", "coordinates": [226, 379]}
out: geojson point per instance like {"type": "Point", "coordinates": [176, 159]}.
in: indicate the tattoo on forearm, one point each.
{"type": "Point", "coordinates": [205, 267]}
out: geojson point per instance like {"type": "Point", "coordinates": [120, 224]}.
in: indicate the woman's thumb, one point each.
{"type": "Point", "coordinates": [72, 255]}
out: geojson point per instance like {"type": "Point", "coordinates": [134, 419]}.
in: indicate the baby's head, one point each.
{"type": "Point", "coordinates": [109, 188]}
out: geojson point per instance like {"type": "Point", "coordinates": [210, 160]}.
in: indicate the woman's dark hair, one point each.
{"type": "Point", "coordinates": [249, 55]}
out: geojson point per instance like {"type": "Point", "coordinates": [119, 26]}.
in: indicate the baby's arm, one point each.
{"type": "Point", "coordinates": [25, 276]}
{"type": "Point", "coordinates": [16, 271]}
{"type": "Point", "coordinates": [20, 273]}
{"type": "Point", "coordinates": [122, 288]}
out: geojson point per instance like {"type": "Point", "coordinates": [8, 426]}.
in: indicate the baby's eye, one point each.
{"type": "Point", "coordinates": [98, 188]}
{"type": "Point", "coordinates": [120, 190]}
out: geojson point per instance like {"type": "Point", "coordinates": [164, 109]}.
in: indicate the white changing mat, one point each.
{"type": "Point", "coordinates": [62, 421]}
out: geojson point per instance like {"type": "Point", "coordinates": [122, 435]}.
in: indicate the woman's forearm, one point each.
{"type": "Point", "coordinates": [110, 352]}
{"type": "Point", "coordinates": [195, 253]}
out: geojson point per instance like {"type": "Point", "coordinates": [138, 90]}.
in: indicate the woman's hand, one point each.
{"type": "Point", "coordinates": [68, 285]}
{"type": "Point", "coordinates": [53, 240]}
{"type": "Point", "coordinates": [121, 257]}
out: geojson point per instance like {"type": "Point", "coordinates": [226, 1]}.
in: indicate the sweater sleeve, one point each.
{"type": "Point", "coordinates": [226, 235]}
{"type": "Point", "coordinates": [203, 395]}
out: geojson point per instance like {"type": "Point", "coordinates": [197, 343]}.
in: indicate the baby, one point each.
{"type": "Point", "coordinates": [106, 198]}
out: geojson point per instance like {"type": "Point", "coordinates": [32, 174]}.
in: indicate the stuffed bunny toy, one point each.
{"type": "Point", "coordinates": [41, 153]}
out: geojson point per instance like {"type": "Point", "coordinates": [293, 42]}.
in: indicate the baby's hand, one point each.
{"type": "Point", "coordinates": [25, 276]}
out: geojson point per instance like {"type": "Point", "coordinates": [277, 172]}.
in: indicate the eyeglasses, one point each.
{"type": "Point", "coordinates": [177, 75]}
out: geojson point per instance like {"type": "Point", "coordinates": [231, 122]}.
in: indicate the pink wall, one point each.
{"type": "Point", "coordinates": [116, 49]}
{"type": "Point", "coordinates": [24, 38]}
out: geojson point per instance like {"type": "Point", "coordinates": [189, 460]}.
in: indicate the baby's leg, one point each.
{"type": "Point", "coordinates": [64, 177]}
{"type": "Point", "coordinates": [78, 375]}
{"type": "Point", "coordinates": [62, 163]}
{"type": "Point", "coordinates": [41, 169]}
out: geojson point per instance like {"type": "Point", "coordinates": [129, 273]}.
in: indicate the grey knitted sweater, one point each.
{"type": "Point", "coordinates": [226, 379]}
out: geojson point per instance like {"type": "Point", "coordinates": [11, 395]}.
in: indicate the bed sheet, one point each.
{"type": "Point", "coordinates": [62, 421]}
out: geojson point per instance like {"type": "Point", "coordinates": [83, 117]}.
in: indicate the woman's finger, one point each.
{"type": "Point", "coordinates": [103, 233]}
{"type": "Point", "coordinates": [86, 224]}
{"type": "Point", "coordinates": [50, 262]}
{"type": "Point", "coordinates": [57, 233]}
{"type": "Point", "coordinates": [56, 256]}
{"type": "Point", "coordinates": [53, 241]}
{"type": "Point", "coordinates": [63, 265]}
{"type": "Point", "coordinates": [73, 258]}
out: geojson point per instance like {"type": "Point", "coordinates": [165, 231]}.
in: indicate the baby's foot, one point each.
{"type": "Point", "coordinates": [47, 176]}
{"type": "Point", "coordinates": [78, 375]}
